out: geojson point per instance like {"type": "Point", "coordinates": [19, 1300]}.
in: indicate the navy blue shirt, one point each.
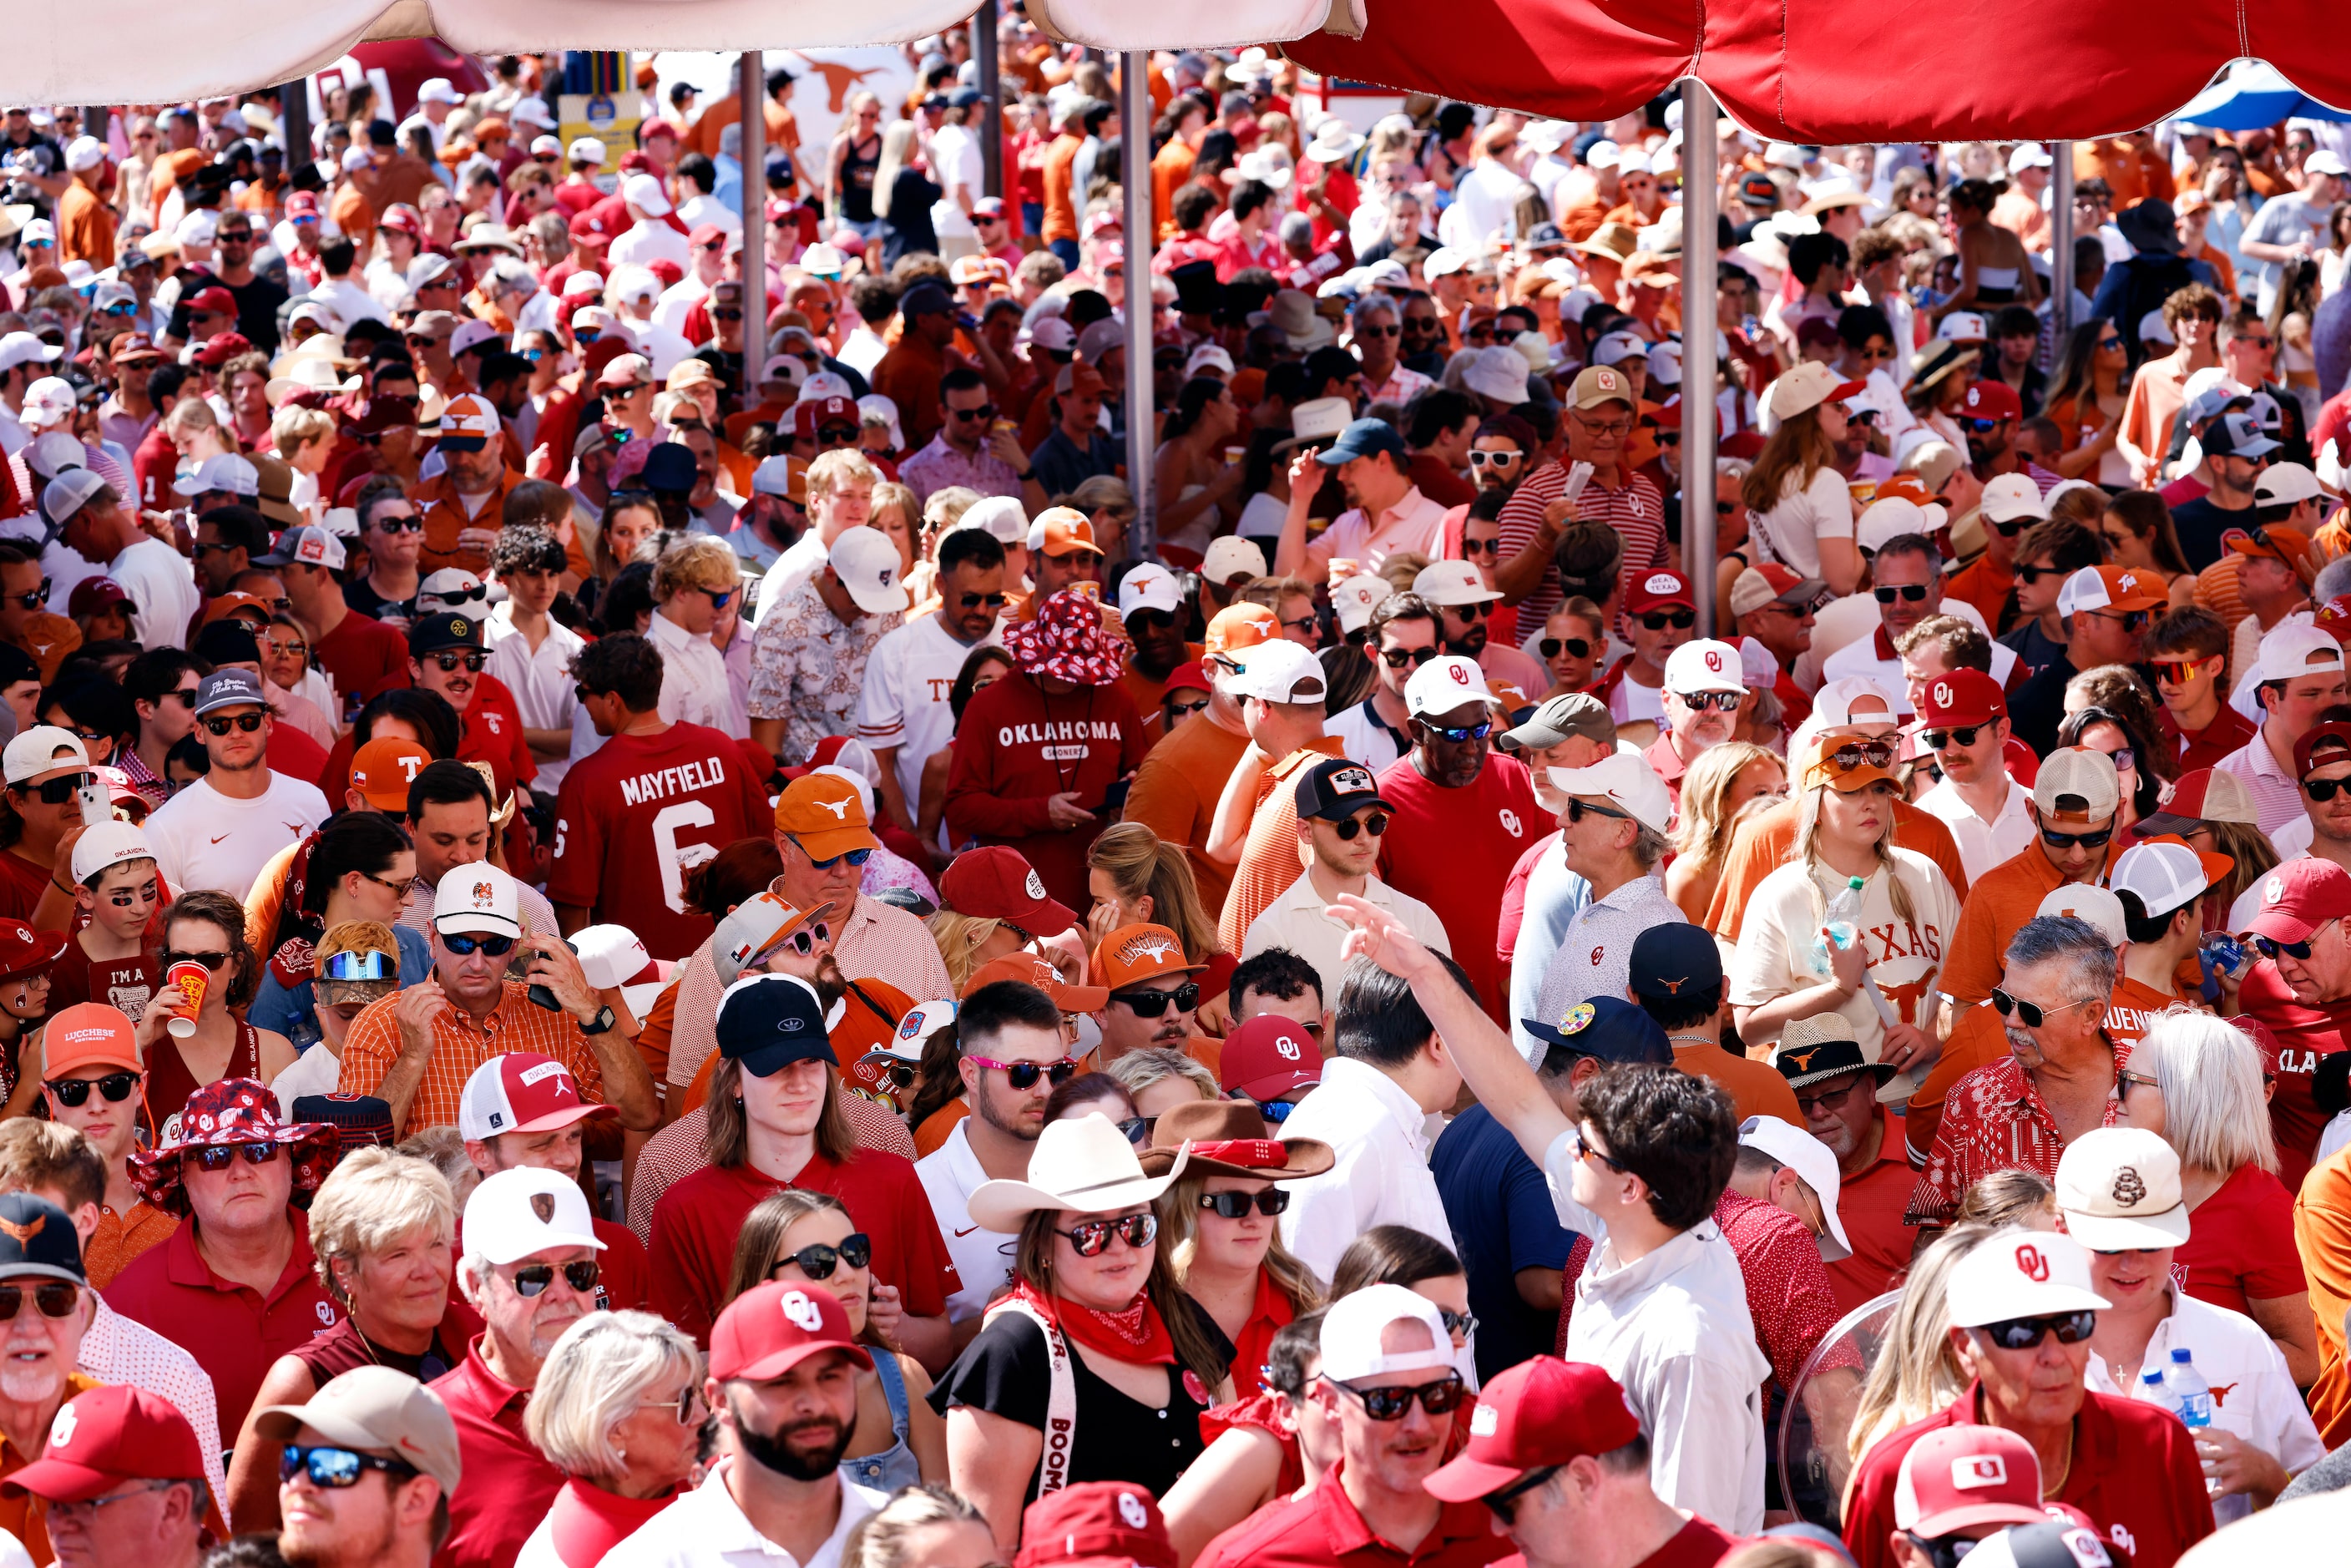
{"type": "Point", "coordinates": [1503, 1221]}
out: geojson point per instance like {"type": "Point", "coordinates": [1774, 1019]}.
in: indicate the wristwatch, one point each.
{"type": "Point", "coordinates": [602, 1022]}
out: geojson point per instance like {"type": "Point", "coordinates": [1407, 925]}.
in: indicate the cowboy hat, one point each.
{"type": "Point", "coordinates": [1084, 1163]}
{"type": "Point", "coordinates": [1230, 1138]}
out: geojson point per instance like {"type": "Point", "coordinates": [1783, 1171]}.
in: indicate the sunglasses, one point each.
{"type": "Point", "coordinates": [2323, 788]}
{"type": "Point", "coordinates": [1375, 824]}
{"type": "Point", "coordinates": [2031, 574]}
{"type": "Point", "coordinates": [855, 857]}
{"type": "Point", "coordinates": [1155, 1003]}
{"type": "Point", "coordinates": [1025, 1074]}
{"type": "Point", "coordinates": [1477, 611]}
{"type": "Point", "coordinates": [1832, 1101]}
{"type": "Point", "coordinates": [2132, 620]}
{"type": "Point", "coordinates": [985, 411]}
{"type": "Point", "coordinates": [1237, 1204]}
{"type": "Point", "coordinates": [900, 1074]}
{"type": "Point", "coordinates": [1398, 658]}
{"type": "Point", "coordinates": [56, 791]}
{"type": "Point", "coordinates": [247, 722]}
{"type": "Point", "coordinates": [2032, 1015]}
{"type": "Point", "coordinates": [1578, 809]}
{"type": "Point", "coordinates": [818, 1261]}
{"type": "Point", "coordinates": [1148, 619]}
{"type": "Point", "coordinates": [1391, 330]}
{"type": "Point", "coordinates": [1575, 647]}
{"type": "Point", "coordinates": [2270, 948]}
{"type": "Point", "coordinates": [2178, 672]}
{"type": "Point", "coordinates": [220, 1157]}
{"type": "Point", "coordinates": [1090, 1237]}
{"type": "Point", "coordinates": [465, 946]}
{"type": "Point", "coordinates": [335, 1469]}
{"type": "Point", "coordinates": [838, 434]}
{"type": "Point", "coordinates": [289, 650]}
{"type": "Point", "coordinates": [1908, 592]}
{"type": "Point", "coordinates": [1392, 1402]}
{"type": "Point", "coordinates": [2023, 1333]}
{"type": "Point", "coordinates": [31, 600]}
{"type": "Point", "coordinates": [2009, 530]}
{"type": "Point", "coordinates": [1699, 702]}
{"type": "Point", "coordinates": [55, 1300]}
{"type": "Point", "coordinates": [2124, 759]}
{"type": "Point", "coordinates": [407, 524]}
{"type": "Point", "coordinates": [1679, 620]}
{"type": "Point", "coordinates": [1961, 735]}
{"type": "Point", "coordinates": [1503, 1504]}
{"type": "Point", "coordinates": [211, 961]}
{"type": "Point", "coordinates": [1872, 754]}
{"type": "Point", "coordinates": [1458, 735]}
{"type": "Point", "coordinates": [2094, 839]}
{"type": "Point", "coordinates": [1184, 710]}
{"type": "Point", "coordinates": [533, 1279]}
{"type": "Point", "coordinates": [1481, 458]}
{"type": "Point", "coordinates": [75, 1091]}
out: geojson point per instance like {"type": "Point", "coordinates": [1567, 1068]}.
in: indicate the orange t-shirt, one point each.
{"type": "Point", "coordinates": [1175, 794]}
{"type": "Point", "coordinates": [2216, 589]}
{"type": "Point", "coordinates": [1269, 863]}
{"type": "Point", "coordinates": [1061, 202]}
{"type": "Point", "coordinates": [1996, 907]}
{"type": "Point", "coordinates": [1761, 846]}
{"type": "Point", "coordinates": [1757, 1089]}
{"type": "Point", "coordinates": [1147, 692]}
{"type": "Point", "coordinates": [2322, 1234]}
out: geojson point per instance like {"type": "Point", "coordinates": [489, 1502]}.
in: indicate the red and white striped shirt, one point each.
{"type": "Point", "coordinates": [1634, 510]}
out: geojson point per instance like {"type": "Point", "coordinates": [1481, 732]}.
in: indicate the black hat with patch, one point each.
{"type": "Point", "coordinates": [36, 1237]}
{"type": "Point", "coordinates": [1337, 789]}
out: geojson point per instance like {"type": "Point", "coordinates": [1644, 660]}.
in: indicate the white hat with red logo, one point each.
{"type": "Point", "coordinates": [2021, 1273]}
{"type": "Point", "coordinates": [477, 898]}
{"type": "Point", "coordinates": [524, 1210]}
{"type": "Point", "coordinates": [1443, 684]}
{"type": "Point", "coordinates": [522, 1091]}
{"type": "Point", "coordinates": [307, 545]}
{"type": "Point", "coordinates": [612, 958]}
{"type": "Point", "coordinates": [1704, 665]}
{"type": "Point", "coordinates": [1625, 778]}
{"type": "Point", "coordinates": [1453, 582]}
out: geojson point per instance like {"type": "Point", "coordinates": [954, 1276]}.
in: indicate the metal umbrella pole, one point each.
{"type": "Point", "coordinates": [1701, 155]}
{"type": "Point", "coordinates": [751, 92]}
{"type": "Point", "coordinates": [1134, 185]}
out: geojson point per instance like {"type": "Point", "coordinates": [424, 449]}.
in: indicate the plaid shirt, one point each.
{"type": "Point", "coordinates": [808, 669]}
{"type": "Point", "coordinates": [939, 466]}
{"type": "Point", "coordinates": [459, 1046]}
{"type": "Point", "coordinates": [1994, 1120]}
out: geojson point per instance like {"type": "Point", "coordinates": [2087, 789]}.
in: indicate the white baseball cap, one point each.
{"type": "Point", "coordinates": [868, 565]}
{"type": "Point", "coordinates": [477, 897]}
{"type": "Point", "coordinates": [2281, 485]}
{"type": "Point", "coordinates": [24, 347]}
{"type": "Point", "coordinates": [1000, 515]}
{"type": "Point", "coordinates": [1278, 671]}
{"type": "Point", "coordinates": [1809, 1158]}
{"type": "Point", "coordinates": [1354, 599]}
{"type": "Point", "coordinates": [48, 402]}
{"type": "Point", "coordinates": [2324, 163]}
{"type": "Point", "coordinates": [914, 1030]}
{"type": "Point", "coordinates": [1150, 586]}
{"type": "Point", "coordinates": [436, 90]}
{"type": "Point", "coordinates": [586, 150]}
{"type": "Point", "coordinates": [2082, 901]}
{"type": "Point", "coordinates": [1444, 683]}
{"type": "Point", "coordinates": [643, 192]}
{"type": "Point", "coordinates": [44, 748]}
{"type": "Point", "coordinates": [1835, 704]}
{"type": "Point", "coordinates": [226, 472]}
{"type": "Point", "coordinates": [1625, 778]}
{"type": "Point", "coordinates": [1705, 665]}
{"type": "Point", "coordinates": [2029, 155]}
{"type": "Point", "coordinates": [454, 591]}
{"type": "Point", "coordinates": [2118, 1188]}
{"type": "Point", "coordinates": [1884, 521]}
{"type": "Point", "coordinates": [68, 493]}
{"type": "Point", "coordinates": [1353, 1326]}
{"type": "Point", "coordinates": [1228, 555]}
{"type": "Point", "coordinates": [2021, 1273]}
{"type": "Point", "coordinates": [525, 1210]}
{"type": "Point", "coordinates": [2297, 649]}
{"type": "Point", "coordinates": [1963, 327]}
{"type": "Point", "coordinates": [1452, 583]}
{"type": "Point", "coordinates": [2007, 497]}
{"type": "Point", "coordinates": [2164, 876]}
{"type": "Point", "coordinates": [105, 844]}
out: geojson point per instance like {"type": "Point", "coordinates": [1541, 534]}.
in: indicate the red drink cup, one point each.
{"type": "Point", "coordinates": [184, 984]}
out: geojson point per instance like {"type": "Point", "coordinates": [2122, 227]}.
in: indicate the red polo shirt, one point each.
{"type": "Point", "coordinates": [1322, 1530]}
{"type": "Point", "coordinates": [1870, 1206]}
{"type": "Point", "coordinates": [696, 1221]}
{"type": "Point", "coordinates": [1668, 764]}
{"type": "Point", "coordinates": [2135, 1472]}
{"type": "Point", "coordinates": [234, 1333]}
{"type": "Point", "coordinates": [1697, 1544]}
{"type": "Point", "coordinates": [509, 1485]}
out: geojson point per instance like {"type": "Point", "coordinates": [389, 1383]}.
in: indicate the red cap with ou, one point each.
{"type": "Point", "coordinates": [1541, 1411]}
{"type": "Point", "coordinates": [766, 1332]}
{"type": "Point", "coordinates": [2298, 898]}
{"type": "Point", "coordinates": [1963, 697]}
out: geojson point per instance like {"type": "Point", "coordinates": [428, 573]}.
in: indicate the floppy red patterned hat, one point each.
{"type": "Point", "coordinates": [1066, 640]}
{"type": "Point", "coordinates": [231, 1111]}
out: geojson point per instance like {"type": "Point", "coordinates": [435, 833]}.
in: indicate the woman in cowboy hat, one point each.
{"type": "Point", "coordinates": [1096, 1343]}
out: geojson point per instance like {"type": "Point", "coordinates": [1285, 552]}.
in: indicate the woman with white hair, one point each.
{"type": "Point", "coordinates": [619, 1410]}
{"type": "Point", "coordinates": [2199, 1081]}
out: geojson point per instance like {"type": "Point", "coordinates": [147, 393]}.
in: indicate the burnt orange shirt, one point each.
{"type": "Point", "coordinates": [120, 1238]}
{"type": "Point", "coordinates": [1996, 907]}
{"type": "Point", "coordinates": [1269, 863]}
{"type": "Point", "coordinates": [1761, 846]}
{"type": "Point", "coordinates": [1756, 1088]}
{"type": "Point", "coordinates": [444, 516]}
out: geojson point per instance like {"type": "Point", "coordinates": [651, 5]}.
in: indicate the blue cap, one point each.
{"type": "Point", "coordinates": [766, 1023]}
{"type": "Point", "coordinates": [1362, 439]}
{"type": "Point", "coordinates": [1674, 961]}
{"type": "Point", "coordinates": [1605, 1028]}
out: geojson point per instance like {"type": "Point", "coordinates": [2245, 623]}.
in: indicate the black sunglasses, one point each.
{"type": "Point", "coordinates": [2032, 1015]}
{"type": "Point", "coordinates": [451, 663]}
{"type": "Point", "coordinates": [2323, 789]}
{"type": "Point", "coordinates": [115, 1086]}
{"type": "Point", "coordinates": [1375, 824]}
{"type": "Point", "coordinates": [33, 600]}
{"type": "Point", "coordinates": [54, 1300]}
{"type": "Point", "coordinates": [1958, 735]}
{"type": "Point", "coordinates": [1237, 1204]}
{"type": "Point", "coordinates": [1155, 1003]}
{"type": "Point", "coordinates": [1392, 1402]}
{"type": "Point", "coordinates": [2023, 1333]}
{"type": "Point", "coordinates": [2270, 948]}
{"type": "Point", "coordinates": [996, 601]}
{"type": "Point", "coordinates": [56, 791]}
{"type": "Point", "coordinates": [1500, 1502]}
{"type": "Point", "coordinates": [1579, 810]}
{"type": "Point", "coordinates": [1910, 592]}
{"type": "Point", "coordinates": [220, 1157]}
{"type": "Point", "coordinates": [1725, 702]}
{"type": "Point", "coordinates": [2009, 530]}
{"type": "Point", "coordinates": [2094, 839]}
{"type": "Point", "coordinates": [818, 1261]}
{"type": "Point", "coordinates": [1184, 710]}
{"type": "Point", "coordinates": [1679, 620]}
{"type": "Point", "coordinates": [1576, 647]}
{"type": "Point", "coordinates": [247, 722]}
{"type": "Point", "coordinates": [985, 411]}
{"type": "Point", "coordinates": [465, 946]}
{"type": "Point", "coordinates": [409, 524]}
{"type": "Point", "coordinates": [1398, 658]}
{"type": "Point", "coordinates": [533, 1279]}
{"type": "Point", "coordinates": [1090, 1237]}
{"type": "Point", "coordinates": [211, 961]}
{"type": "Point", "coordinates": [2035, 573]}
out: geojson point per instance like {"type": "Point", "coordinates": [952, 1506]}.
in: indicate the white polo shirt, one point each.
{"type": "Point", "coordinates": [983, 1259]}
{"type": "Point", "coordinates": [1983, 844]}
{"type": "Point", "coordinates": [1296, 921]}
{"type": "Point", "coordinates": [705, 1528]}
{"type": "Point", "coordinates": [903, 700]}
{"type": "Point", "coordinates": [542, 681]}
{"type": "Point", "coordinates": [694, 689]}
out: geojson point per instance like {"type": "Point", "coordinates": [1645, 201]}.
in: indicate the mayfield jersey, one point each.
{"type": "Point", "coordinates": [638, 814]}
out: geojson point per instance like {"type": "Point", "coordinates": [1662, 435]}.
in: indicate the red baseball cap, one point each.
{"type": "Point", "coordinates": [301, 204]}
{"type": "Point", "coordinates": [1268, 1057]}
{"type": "Point", "coordinates": [522, 1091]}
{"type": "Point", "coordinates": [221, 347]}
{"type": "Point", "coordinates": [1991, 400]}
{"type": "Point", "coordinates": [587, 228]}
{"type": "Point", "coordinates": [1111, 1521]}
{"type": "Point", "coordinates": [216, 300]}
{"type": "Point", "coordinates": [769, 1330]}
{"type": "Point", "coordinates": [2299, 896]}
{"type": "Point", "coordinates": [809, 417]}
{"type": "Point", "coordinates": [1542, 1412]}
{"type": "Point", "coordinates": [1961, 697]}
{"type": "Point", "coordinates": [702, 234]}
{"type": "Point", "coordinates": [2333, 738]}
{"type": "Point", "coordinates": [1655, 590]}
{"type": "Point", "coordinates": [107, 1435]}
{"type": "Point", "coordinates": [994, 882]}
{"type": "Point", "coordinates": [2334, 617]}
{"type": "Point", "coordinates": [1960, 1478]}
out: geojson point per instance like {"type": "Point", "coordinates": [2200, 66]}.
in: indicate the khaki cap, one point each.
{"type": "Point", "coordinates": [377, 1409]}
{"type": "Point", "coordinates": [2077, 782]}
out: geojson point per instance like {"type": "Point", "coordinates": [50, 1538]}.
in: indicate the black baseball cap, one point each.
{"type": "Point", "coordinates": [925, 299]}
{"type": "Point", "coordinates": [1602, 1026]}
{"type": "Point", "coordinates": [1673, 961]}
{"type": "Point", "coordinates": [431, 633]}
{"type": "Point", "coordinates": [766, 1023]}
{"type": "Point", "coordinates": [669, 469]}
{"type": "Point", "coordinates": [1336, 789]}
{"type": "Point", "coordinates": [36, 1237]}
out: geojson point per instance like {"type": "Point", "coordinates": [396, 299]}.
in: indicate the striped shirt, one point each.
{"type": "Point", "coordinates": [1633, 509]}
{"type": "Point", "coordinates": [460, 1045]}
{"type": "Point", "coordinates": [2277, 794]}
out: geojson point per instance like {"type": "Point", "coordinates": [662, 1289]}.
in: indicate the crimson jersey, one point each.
{"type": "Point", "coordinates": [637, 813]}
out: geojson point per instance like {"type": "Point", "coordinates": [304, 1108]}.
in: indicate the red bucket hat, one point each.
{"type": "Point", "coordinates": [1066, 640]}
{"type": "Point", "coordinates": [229, 1111]}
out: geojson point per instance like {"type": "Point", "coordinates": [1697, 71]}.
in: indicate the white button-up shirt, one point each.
{"type": "Point", "coordinates": [706, 1527]}
{"type": "Point", "coordinates": [983, 1259]}
{"type": "Point", "coordinates": [1296, 921]}
{"type": "Point", "coordinates": [694, 689]}
{"type": "Point", "coordinates": [1381, 1175]}
{"type": "Point", "coordinates": [541, 680]}
{"type": "Point", "coordinates": [2252, 1394]}
{"type": "Point", "coordinates": [1596, 958]}
{"type": "Point", "coordinates": [1983, 844]}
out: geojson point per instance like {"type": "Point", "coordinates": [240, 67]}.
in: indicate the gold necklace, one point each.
{"type": "Point", "coordinates": [2056, 1487]}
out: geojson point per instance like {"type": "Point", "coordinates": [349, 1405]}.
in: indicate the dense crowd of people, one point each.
{"type": "Point", "coordinates": [799, 966]}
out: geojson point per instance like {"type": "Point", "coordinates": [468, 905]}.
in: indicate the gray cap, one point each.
{"type": "Point", "coordinates": [229, 688]}
{"type": "Point", "coordinates": [1578, 713]}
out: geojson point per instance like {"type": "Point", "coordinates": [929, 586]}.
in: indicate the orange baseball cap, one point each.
{"type": "Point", "coordinates": [2275, 540]}
{"type": "Point", "coordinates": [1816, 770]}
{"type": "Point", "coordinates": [1066, 529]}
{"type": "Point", "coordinates": [1030, 969]}
{"type": "Point", "coordinates": [383, 769]}
{"type": "Point", "coordinates": [827, 814]}
{"type": "Point", "coordinates": [468, 422]}
{"type": "Point", "coordinates": [223, 605]}
{"type": "Point", "coordinates": [88, 1034]}
{"type": "Point", "coordinates": [1134, 954]}
{"type": "Point", "coordinates": [1238, 626]}
{"type": "Point", "coordinates": [1905, 486]}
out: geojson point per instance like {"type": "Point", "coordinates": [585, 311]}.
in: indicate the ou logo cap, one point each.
{"type": "Point", "coordinates": [800, 1312]}
{"type": "Point", "coordinates": [1130, 1509]}
{"type": "Point", "coordinates": [2032, 1264]}
{"type": "Point", "coordinates": [1287, 1047]}
{"type": "Point", "coordinates": [2273, 890]}
{"type": "Point", "coordinates": [1942, 694]}
{"type": "Point", "coordinates": [1714, 661]}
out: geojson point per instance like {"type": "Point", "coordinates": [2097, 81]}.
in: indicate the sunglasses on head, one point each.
{"type": "Point", "coordinates": [2032, 1015]}
{"type": "Point", "coordinates": [2023, 1333]}
{"type": "Point", "coordinates": [1375, 824]}
{"type": "Point", "coordinates": [56, 791]}
{"type": "Point", "coordinates": [1237, 1204]}
{"type": "Point", "coordinates": [2094, 839]}
{"type": "Point", "coordinates": [1872, 753]}
{"type": "Point", "coordinates": [465, 945]}
{"type": "Point", "coordinates": [1393, 1400]}
{"type": "Point", "coordinates": [1962, 735]}
{"type": "Point", "coordinates": [1575, 647]}
{"type": "Point", "coordinates": [533, 1279]}
{"type": "Point", "coordinates": [115, 1086]}
{"type": "Point", "coordinates": [1026, 1074]}
{"type": "Point", "coordinates": [1458, 735]}
{"type": "Point", "coordinates": [220, 1157]}
{"type": "Point", "coordinates": [55, 1300]}
{"type": "Point", "coordinates": [819, 1261]}
{"type": "Point", "coordinates": [1090, 1237]}
{"type": "Point", "coordinates": [1909, 593]}
{"type": "Point", "coordinates": [2270, 948]}
{"type": "Point", "coordinates": [1679, 620]}
{"type": "Point", "coordinates": [1155, 1003]}
{"type": "Point", "coordinates": [1398, 658]}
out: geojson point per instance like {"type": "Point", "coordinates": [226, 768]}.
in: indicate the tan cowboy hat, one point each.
{"type": "Point", "coordinates": [1230, 1138]}
{"type": "Point", "coordinates": [299, 374]}
{"type": "Point", "coordinates": [1616, 241]}
{"type": "Point", "coordinates": [1084, 1163]}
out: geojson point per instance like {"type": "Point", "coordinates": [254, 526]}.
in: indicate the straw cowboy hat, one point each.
{"type": "Point", "coordinates": [1230, 1138]}
{"type": "Point", "coordinates": [1084, 1163]}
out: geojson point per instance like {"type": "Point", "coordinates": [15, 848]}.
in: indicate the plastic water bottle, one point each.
{"type": "Point", "coordinates": [2152, 1381]}
{"type": "Point", "coordinates": [1842, 925]}
{"type": "Point", "coordinates": [2191, 1394]}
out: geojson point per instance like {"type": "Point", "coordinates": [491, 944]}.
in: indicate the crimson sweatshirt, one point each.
{"type": "Point", "coordinates": [1017, 748]}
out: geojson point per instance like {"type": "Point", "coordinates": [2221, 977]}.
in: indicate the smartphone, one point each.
{"type": "Point", "coordinates": [524, 952]}
{"type": "Point", "coordinates": [1578, 476]}
{"type": "Point", "coordinates": [1114, 798]}
{"type": "Point", "coordinates": [96, 803]}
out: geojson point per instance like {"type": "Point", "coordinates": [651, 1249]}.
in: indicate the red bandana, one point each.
{"type": "Point", "coordinates": [1136, 1334]}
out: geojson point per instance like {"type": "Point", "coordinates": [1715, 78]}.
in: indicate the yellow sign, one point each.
{"type": "Point", "coordinates": [596, 115]}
